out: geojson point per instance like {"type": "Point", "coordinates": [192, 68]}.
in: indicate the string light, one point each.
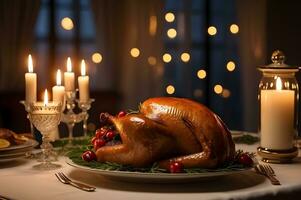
{"type": "Point", "coordinates": [135, 52]}
{"type": "Point", "coordinates": [167, 58]}
{"type": "Point", "coordinates": [212, 30]}
{"type": "Point", "coordinates": [152, 60]}
{"type": "Point", "coordinates": [185, 57]}
{"type": "Point", "coordinates": [169, 17]}
{"type": "Point", "coordinates": [234, 29]}
{"type": "Point", "coordinates": [96, 57]}
{"type": "Point", "coordinates": [201, 74]}
{"type": "Point", "coordinates": [230, 66]}
{"type": "Point", "coordinates": [218, 89]}
{"type": "Point", "coordinates": [170, 89]}
{"type": "Point", "coordinates": [67, 23]}
{"type": "Point", "coordinates": [171, 33]}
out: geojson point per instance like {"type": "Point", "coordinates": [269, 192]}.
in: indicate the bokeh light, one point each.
{"type": "Point", "coordinates": [67, 23]}
{"type": "Point", "coordinates": [218, 89]}
{"type": "Point", "coordinates": [169, 17]}
{"type": "Point", "coordinates": [135, 52]}
{"type": "Point", "coordinates": [185, 57]}
{"type": "Point", "coordinates": [152, 60]}
{"type": "Point", "coordinates": [170, 89]}
{"type": "Point", "coordinates": [226, 93]}
{"type": "Point", "coordinates": [171, 33]}
{"type": "Point", "coordinates": [212, 30]}
{"type": "Point", "coordinates": [230, 66]}
{"type": "Point", "coordinates": [202, 74]}
{"type": "Point", "coordinates": [167, 57]}
{"type": "Point", "coordinates": [234, 28]}
{"type": "Point", "coordinates": [96, 57]}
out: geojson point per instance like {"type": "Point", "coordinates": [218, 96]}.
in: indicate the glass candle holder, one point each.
{"type": "Point", "coordinates": [278, 101]}
{"type": "Point", "coordinates": [46, 118]}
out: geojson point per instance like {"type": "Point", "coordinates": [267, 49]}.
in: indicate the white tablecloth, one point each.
{"type": "Point", "coordinates": [18, 180]}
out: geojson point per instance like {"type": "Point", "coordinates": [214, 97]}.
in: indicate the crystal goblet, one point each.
{"type": "Point", "coordinates": [46, 117]}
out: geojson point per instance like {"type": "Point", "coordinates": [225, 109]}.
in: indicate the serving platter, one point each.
{"type": "Point", "coordinates": [147, 177]}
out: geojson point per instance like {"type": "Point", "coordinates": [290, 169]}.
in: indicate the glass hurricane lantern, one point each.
{"type": "Point", "coordinates": [278, 102]}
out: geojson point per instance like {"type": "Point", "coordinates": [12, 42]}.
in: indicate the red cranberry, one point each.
{"type": "Point", "coordinates": [88, 156]}
{"type": "Point", "coordinates": [110, 135]}
{"type": "Point", "coordinates": [100, 132]}
{"type": "Point", "coordinates": [176, 167]}
{"type": "Point", "coordinates": [121, 114]}
{"type": "Point", "coordinates": [98, 143]}
{"type": "Point", "coordinates": [93, 139]}
{"type": "Point", "coordinates": [245, 160]}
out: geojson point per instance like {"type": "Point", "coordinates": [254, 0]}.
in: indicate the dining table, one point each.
{"type": "Point", "coordinates": [19, 180]}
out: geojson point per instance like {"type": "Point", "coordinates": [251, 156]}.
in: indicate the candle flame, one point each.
{"type": "Point", "coordinates": [30, 65]}
{"type": "Point", "coordinates": [45, 97]}
{"type": "Point", "coordinates": [58, 77]}
{"type": "Point", "coordinates": [278, 83]}
{"type": "Point", "coordinates": [69, 65]}
{"type": "Point", "coordinates": [83, 68]}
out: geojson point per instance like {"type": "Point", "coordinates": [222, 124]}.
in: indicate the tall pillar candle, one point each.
{"type": "Point", "coordinates": [277, 118]}
{"type": "Point", "coordinates": [83, 84]}
{"type": "Point", "coordinates": [30, 83]}
{"type": "Point", "coordinates": [69, 77]}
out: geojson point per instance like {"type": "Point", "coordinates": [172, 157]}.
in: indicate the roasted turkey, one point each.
{"type": "Point", "coordinates": [169, 130]}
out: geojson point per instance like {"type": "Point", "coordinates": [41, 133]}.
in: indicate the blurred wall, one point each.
{"type": "Point", "coordinates": [284, 32]}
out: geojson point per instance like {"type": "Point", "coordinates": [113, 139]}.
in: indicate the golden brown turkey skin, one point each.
{"type": "Point", "coordinates": [144, 142]}
{"type": "Point", "coordinates": [190, 121]}
{"type": "Point", "coordinates": [170, 129]}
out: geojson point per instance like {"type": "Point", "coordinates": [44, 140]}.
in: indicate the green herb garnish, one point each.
{"type": "Point", "coordinates": [75, 156]}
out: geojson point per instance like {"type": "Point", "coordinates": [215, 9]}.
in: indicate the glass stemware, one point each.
{"type": "Point", "coordinates": [45, 118]}
{"type": "Point", "coordinates": [85, 106]}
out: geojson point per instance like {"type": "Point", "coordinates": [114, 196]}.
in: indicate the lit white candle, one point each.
{"type": "Point", "coordinates": [30, 83]}
{"type": "Point", "coordinates": [45, 98]}
{"type": "Point", "coordinates": [58, 91]}
{"type": "Point", "coordinates": [277, 118]}
{"type": "Point", "coordinates": [83, 84]}
{"type": "Point", "coordinates": [69, 76]}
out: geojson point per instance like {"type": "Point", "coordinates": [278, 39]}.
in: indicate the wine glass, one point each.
{"type": "Point", "coordinates": [45, 117]}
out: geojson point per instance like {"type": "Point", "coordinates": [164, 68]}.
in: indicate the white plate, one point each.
{"type": "Point", "coordinates": [154, 177]}
{"type": "Point", "coordinates": [28, 144]}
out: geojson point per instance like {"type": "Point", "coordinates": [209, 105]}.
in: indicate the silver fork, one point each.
{"type": "Point", "coordinates": [64, 179]}
{"type": "Point", "coordinates": [267, 171]}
